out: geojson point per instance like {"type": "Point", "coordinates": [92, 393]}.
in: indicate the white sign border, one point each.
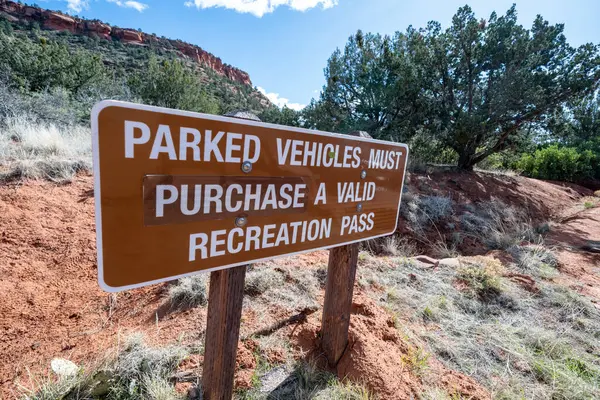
{"type": "Point", "coordinates": [98, 107]}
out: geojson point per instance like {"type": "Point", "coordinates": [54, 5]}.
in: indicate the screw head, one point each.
{"type": "Point", "coordinates": [246, 167]}
{"type": "Point", "coordinates": [241, 221]}
{"type": "Point", "coordinates": [359, 207]}
{"type": "Point", "coordinates": [363, 174]}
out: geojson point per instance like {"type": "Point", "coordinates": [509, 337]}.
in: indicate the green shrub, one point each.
{"type": "Point", "coordinates": [171, 84]}
{"type": "Point", "coordinates": [482, 275]}
{"type": "Point", "coordinates": [559, 163]}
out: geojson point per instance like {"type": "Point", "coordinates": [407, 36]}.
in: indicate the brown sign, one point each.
{"type": "Point", "coordinates": [180, 192]}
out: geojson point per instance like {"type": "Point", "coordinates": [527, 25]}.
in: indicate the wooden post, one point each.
{"type": "Point", "coordinates": [225, 298]}
{"type": "Point", "coordinates": [341, 273]}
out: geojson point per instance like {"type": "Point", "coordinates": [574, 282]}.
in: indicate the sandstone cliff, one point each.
{"type": "Point", "coordinates": [52, 20]}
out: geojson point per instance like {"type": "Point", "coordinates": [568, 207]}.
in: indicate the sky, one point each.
{"type": "Point", "coordinates": [284, 44]}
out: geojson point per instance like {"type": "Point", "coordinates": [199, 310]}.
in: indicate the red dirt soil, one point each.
{"type": "Point", "coordinates": [51, 304]}
{"type": "Point", "coordinates": [542, 200]}
{"type": "Point", "coordinates": [378, 358]}
{"type": "Point", "coordinates": [580, 268]}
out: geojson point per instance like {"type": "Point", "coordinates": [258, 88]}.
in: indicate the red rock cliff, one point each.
{"type": "Point", "coordinates": [60, 22]}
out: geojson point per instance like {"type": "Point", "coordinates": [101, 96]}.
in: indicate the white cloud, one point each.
{"type": "Point", "coordinates": [281, 101]}
{"type": "Point", "coordinates": [136, 5]}
{"type": "Point", "coordinates": [261, 7]}
{"type": "Point", "coordinates": [77, 5]}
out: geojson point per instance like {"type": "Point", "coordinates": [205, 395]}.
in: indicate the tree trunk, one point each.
{"type": "Point", "coordinates": [465, 158]}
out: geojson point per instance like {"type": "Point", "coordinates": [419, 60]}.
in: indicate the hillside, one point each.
{"type": "Point", "coordinates": [126, 51]}
{"type": "Point", "coordinates": [510, 311]}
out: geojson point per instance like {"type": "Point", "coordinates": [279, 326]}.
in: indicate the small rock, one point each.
{"type": "Point", "coordinates": [450, 262]}
{"type": "Point", "coordinates": [63, 368]}
{"type": "Point", "coordinates": [277, 379]}
{"type": "Point", "coordinates": [427, 260]}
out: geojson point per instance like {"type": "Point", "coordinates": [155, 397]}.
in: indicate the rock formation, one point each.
{"type": "Point", "coordinates": [52, 20]}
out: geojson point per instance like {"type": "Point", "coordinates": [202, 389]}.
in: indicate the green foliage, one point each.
{"type": "Point", "coordinates": [559, 163]}
{"type": "Point", "coordinates": [281, 116]}
{"type": "Point", "coordinates": [578, 125]}
{"type": "Point", "coordinates": [42, 64]}
{"type": "Point", "coordinates": [5, 26]}
{"type": "Point", "coordinates": [476, 87]}
{"type": "Point", "coordinates": [171, 84]}
{"type": "Point", "coordinates": [483, 278]}
{"type": "Point", "coordinates": [417, 360]}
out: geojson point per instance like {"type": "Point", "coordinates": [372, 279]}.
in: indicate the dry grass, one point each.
{"type": "Point", "coordinates": [304, 381]}
{"type": "Point", "coordinates": [259, 280]}
{"type": "Point", "coordinates": [518, 344]}
{"type": "Point", "coordinates": [536, 260]}
{"type": "Point", "coordinates": [289, 288]}
{"type": "Point", "coordinates": [189, 292]}
{"type": "Point", "coordinates": [423, 211]}
{"type": "Point", "coordinates": [498, 171]}
{"type": "Point", "coordinates": [499, 226]}
{"type": "Point", "coordinates": [392, 245]}
{"type": "Point", "coordinates": [37, 150]}
{"type": "Point", "coordinates": [138, 372]}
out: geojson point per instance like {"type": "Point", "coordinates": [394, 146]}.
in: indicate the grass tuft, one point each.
{"type": "Point", "coordinates": [416, 359]}
{"type": "Point", "coordinates": [536, 260]}
{"type": "Point", "coordinates": [138, 372]}
{"type": "Point", "coordinates": [189, 292]}
{"type": "Point", "coordinates": [393, 246]}
{"type": "Point", "coordinates": [483, 277]}
{"type": "Point", "coordinates": [423, 211]}
{"type": "Point", "coordinates": [259, 280]}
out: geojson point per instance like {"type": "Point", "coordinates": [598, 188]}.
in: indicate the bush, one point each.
{"type": "Point", "coordinates": [173, 85]}
{"type": "Point", "coordinates": [559, 163]}
{"type": "Point", "coordinates": [535, 259]}
{"type": "Point", "coordinates": [423, 211]}
{"type": "Point", "coordinates": [37, 66]}
{"type": "Point", "coordinates": [483, 277]}
{"type": "Point", "coordinates": [498, 225]}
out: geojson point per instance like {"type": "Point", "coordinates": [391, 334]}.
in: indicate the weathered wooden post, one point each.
{"type": "Point", "coordinates": [225, 298]}
{"type": "Point", "coordinates": [341, 273]}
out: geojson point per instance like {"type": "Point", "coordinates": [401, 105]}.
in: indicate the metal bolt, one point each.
{"type": "Point", "coordinates": [359, 207]}
{"type": "Point", "coordinates": [363, 174]}
{"type": "Point", "coordinates": [246, 167]}
{"type": "Point", "coordinates": [241, 221]}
